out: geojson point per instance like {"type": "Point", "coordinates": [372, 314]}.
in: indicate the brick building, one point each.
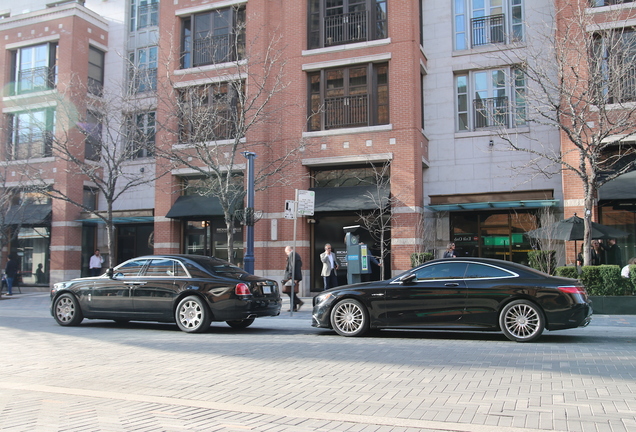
{"type": "Point", "coordinates": [417, 87]}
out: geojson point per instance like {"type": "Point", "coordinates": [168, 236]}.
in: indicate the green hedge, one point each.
{"type": "Point", "coordinates": [419, 258]}
{"type": "Point", "coordinates": [603, 280]}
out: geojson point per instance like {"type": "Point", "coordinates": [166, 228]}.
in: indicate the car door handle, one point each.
{"type": "Point", "coordinates": [377, 295]}
{"type": "Point", "coordinates": [135, 283]}
{"type": "Point", "coordinates": [452, 284]}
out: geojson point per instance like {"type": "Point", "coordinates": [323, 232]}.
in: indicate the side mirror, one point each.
{"type": "Point", "coordinates": [408, 279]}
{"type": "Point", "coordinates": [110, 273]}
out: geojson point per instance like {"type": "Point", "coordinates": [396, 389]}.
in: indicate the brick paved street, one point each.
{"type": "Point", "coordinates": [283, 375]}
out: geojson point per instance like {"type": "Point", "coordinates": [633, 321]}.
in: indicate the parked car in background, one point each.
{"type": "Point", "coordinates": [191, 290]}
{"type": "Point", "coordinates": [458, 294]}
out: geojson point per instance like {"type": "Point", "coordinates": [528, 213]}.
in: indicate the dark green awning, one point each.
{"type": "Point", "coordinates": [494, 205]}
{"type": "Point", "coordinates": [195, 207]}
{"type": "Point", "coordinates": [350, 198]}
{"type": "Point", "coordinates": [621, 187]}
{"type": "Point", "coordinates": [29, 214]}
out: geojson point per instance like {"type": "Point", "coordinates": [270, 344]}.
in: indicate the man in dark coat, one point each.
{"type": "Point", "coordinates": [613, 255]}
{"type": "Point", "coordinates": [11, 273]}
{"type": "Point", "coordinates": [293, 261]}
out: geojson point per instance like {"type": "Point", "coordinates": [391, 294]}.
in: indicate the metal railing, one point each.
{"type": "Point", "coordinates": [488, 30]}
{"type": "Point", "coordinates": [491, 112]}
{"type": "Point", "coordinates": [212, 50]}
{"type": "Point", "coordinates": [40, 78]}
{"type": "Point", "coordinates": [147, 15]}
{"type": "Point", "coordinates": [31, 144]}
{"type": "Point", "coordinates": [346, 28]}
{"type": "Point", "coordinates": [346, 111]}
{"type": "Point", "coordinates": [144, 79]}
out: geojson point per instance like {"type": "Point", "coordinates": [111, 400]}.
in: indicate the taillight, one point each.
{"type": "Point", "coordinates": [572, 290]}
{"type": "Point", "coordinates": [242, 289]}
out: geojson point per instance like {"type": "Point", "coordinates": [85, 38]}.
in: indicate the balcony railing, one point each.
{"type": "Point", "coordinates": [35, 79]}
{"type": "Point", "coordinates": [212, 50]}
{"type": "Point", "coordinates": [346, 28]}
{"type": "Point", "coordinates": [488, 30]}
{"type": "Point", "coordinates": [347, 111]}
{"type": "Point", "coordinates": [492, 112]}
{"type": "Point", "coordinates": [599, 3]}
{"type": "Point", "coordinates": [622, 87]}
{"type": "Point", "coordinates": [31, 144]}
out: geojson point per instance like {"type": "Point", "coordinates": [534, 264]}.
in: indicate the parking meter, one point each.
{"type": "Point", "coordinates": [357, 255]}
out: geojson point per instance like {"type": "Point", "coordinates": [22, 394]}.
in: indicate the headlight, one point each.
{"type": "Point", "coordinates": [321, 298]}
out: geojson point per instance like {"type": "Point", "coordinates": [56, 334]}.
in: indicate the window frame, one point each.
{"type": "Point", "coordinates": [202, 102]}
{"type": "Point", "coordinates": [471, 31]}
{"type": "Point", "coordinates": [609, 60]}
{"type": "Point", "coordinates": [96, 71]}
{"type": "Point", "coordinates": [377, 106]}
{"type": "Point", "coordinates": [50, 69]}
{"type": "Point", "coordinates": [136, 147]}
{"type": "Point", "coordinates": [466, 108]}
{"type": "Point", "coordinates": [143, 63]}
{"type": "Point", "coordinates": [374, 24]}
{"type": "Point", "coordinates": [93, 135]}
{"type": "Point", "coordinates": [143, 8]}
{"type": "Point", "coordinates": [234, 50]}
{"type": "Point", "coordinates": [45, 133]}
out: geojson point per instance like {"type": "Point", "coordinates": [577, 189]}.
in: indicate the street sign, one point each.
{"type": "Point", "coordinates": [306, 200]}
{"type": "Point", "coordinates": [289, 209]}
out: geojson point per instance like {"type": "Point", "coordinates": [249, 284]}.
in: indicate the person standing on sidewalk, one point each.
{"type": "Point", "coordinates": [293, 275]}
{"type": "Point", "coordinates": [11, 272]}
{"type": "Point", "coordinates": [329, 266]}
{"type": "Point", "coordinates": [95, 264]}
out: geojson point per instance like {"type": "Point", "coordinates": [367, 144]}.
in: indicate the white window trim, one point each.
{"type": "Point", "coordinates": [376, 58]}
{"type": "Point", "coordinates": [207, 7]}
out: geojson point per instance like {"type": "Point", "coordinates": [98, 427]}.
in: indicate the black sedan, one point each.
{"type": "Point", "coordinates": [458, 294]}
{"type": "Point", "coordinates": [191, 290]}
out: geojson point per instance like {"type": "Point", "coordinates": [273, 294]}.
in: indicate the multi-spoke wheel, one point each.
{"type": "Point", "coordinates": [66, 310]}
{"type": "Point", "coordinates": [240, 324]}
{"type": "Point", "coordinates": [192, 315]}
{"type": "Point", "coordinates": [522, 321]}
{"type": "Point", "coordinates": [350, 318]}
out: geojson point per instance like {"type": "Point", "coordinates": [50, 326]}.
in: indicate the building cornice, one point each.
{"type": "Point", "coordinates": [52, 14]}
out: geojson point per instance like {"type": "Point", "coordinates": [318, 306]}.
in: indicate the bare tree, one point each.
{"type": "Point", "coordinates": [226, 114]}
{"type": "Point", "coordinates": [379, 219]}
{"type": "Point", "coordinates": [97, 140]}
{"type": "Point", "coordinates": [580, 80]}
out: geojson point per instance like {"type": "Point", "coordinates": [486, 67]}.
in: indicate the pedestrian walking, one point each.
{"type": "Point", "coordinates": [11, 273]}
{"type": "Point", "coordinates": [293, 275]}
{"type": "Point", "coordinates": [450, 251]}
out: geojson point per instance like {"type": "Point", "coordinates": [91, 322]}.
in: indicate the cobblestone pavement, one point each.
{"type": "Point", "coordinates": [283, 375]}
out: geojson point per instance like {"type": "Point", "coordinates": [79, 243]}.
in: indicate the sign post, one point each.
{"type": "Point", "coordinates": [303, 205]}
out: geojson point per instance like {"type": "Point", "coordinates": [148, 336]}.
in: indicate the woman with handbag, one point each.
{"type": "Point", "coordinates": [293, 262]}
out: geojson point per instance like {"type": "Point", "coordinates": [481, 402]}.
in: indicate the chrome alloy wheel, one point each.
{"type": "Point", "coordinates": [522, 321]}
{"type": "Point", "coordinates": [190, 314]}
{"type": "Point", "coordinates": [65, 310]}
{"type": "Point", "coordinates": [349, 318]}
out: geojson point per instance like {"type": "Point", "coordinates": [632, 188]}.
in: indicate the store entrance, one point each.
{"type": "Point", "coordinates": [493, 234]}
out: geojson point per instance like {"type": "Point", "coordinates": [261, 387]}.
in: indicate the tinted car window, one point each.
{"type": "Point", "coordinates": [220, 267]}
{"type": "Point", "coordinates": [131, 268]}
{"type": "Point", "coordinates": [483, 271]}
{"type": "Point", "coordinates": [161, 267]}
{"type": "Point", "coordinates": [445, 270]}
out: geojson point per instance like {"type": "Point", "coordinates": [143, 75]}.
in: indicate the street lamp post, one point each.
{"type": "Point", "coordinates": [248, 259]}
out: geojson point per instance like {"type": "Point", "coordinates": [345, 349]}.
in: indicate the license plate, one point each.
{"type": "Point", "coordinates": [267, 289]}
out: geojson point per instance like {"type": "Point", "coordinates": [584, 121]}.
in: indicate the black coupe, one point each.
{"type": "Point", "coordinates": [190, 290]}
{"type": "Point", "coordinates": [458, 293]}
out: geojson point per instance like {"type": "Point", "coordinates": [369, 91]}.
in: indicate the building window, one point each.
{"type": "Point", "coordinates": [143, 69]}
{"type": "Point", "coordinates": [89, 199]}
{"type": "Point", "coordinates": [141, 140]}
{"type": "Point", "coordinates": [31, 134]}
{"type": "Point", "coordinates": [35, 68]}
{"type": "Point", "coordinates": [492, 98]}
{"type": "Point", "coordinates": [213, 37]}
{"type": "Point", "coordinates": [615, 66]}
{"type": "Point", "coordinates": [486, 22]}
{"type": "Point", "coordinates": [210, 113]}
{"type": "Point", "coordinates": [338, 22]}
{"type": "Point", "coordinates": [143, 13]}
{"type": "Point", "coordinates": [599, 3]}
{"type": "Point", "coordinates": [355, 96]}
{"type": "Point", "coordinates": [95, 71]}
{"type": "Point", "coordinates": [92, 130]}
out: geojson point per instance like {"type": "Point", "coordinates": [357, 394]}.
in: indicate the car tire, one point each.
{"type": "Point", "coordinates": [350, 318]}
{"type": "Point", "coordinates": [240, 324]}
{"type": "Point", "coordinates": [66, 310]}
{"type": "Point", "coordinates": [522, 321]}
{"type": "Point", "coordinates": [192, 315]}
